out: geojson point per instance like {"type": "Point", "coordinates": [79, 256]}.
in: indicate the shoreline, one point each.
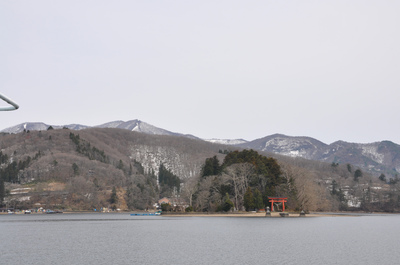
{"type": "Point", "coordinates": [230, 214]}
{"type": "Point", "coordinates": [273, 214]}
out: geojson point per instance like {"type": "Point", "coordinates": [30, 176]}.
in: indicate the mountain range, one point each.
{"type": "Point", "coordinates": [133, 125]}
{"type": "Point", "coordinates": [377, 158]}
{"type": "Point", "coordinates": [77, 167]}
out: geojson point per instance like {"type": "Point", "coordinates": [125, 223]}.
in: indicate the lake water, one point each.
{"type": "Point", "coordinates": [124, 239]}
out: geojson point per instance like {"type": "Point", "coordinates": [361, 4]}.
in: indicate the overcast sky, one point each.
{"type": "Point", "coordinates": [215, 69]}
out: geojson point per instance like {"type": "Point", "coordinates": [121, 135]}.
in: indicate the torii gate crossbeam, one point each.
{"type": "Point", "coordinates": [277, 199]}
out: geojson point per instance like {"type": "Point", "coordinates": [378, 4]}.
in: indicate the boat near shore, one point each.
{"type": "Point", "coordinates": [48, 211]}
{"type": "Point", "coordinates": [147, 214]}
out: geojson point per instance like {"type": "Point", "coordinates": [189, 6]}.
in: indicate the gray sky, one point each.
{"type": "Point", "coordinates": [215, 69]}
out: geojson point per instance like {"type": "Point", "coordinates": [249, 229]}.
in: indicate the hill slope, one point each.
{"type": "Point", "coordinates": [377, 158]}
{"type": "Point", "coordinates": [132, 125]}
{"type": "Point", "coordinates": [81, 170]}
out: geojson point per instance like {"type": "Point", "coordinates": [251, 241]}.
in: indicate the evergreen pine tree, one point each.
{"type": "Point", "coordinates": [75, 168]}
{"type": "Point", "coordinates": [248, 200]}
{"type": "Point", "coordinates": [258, 199]}
{"type": "Point", "coordinates": [2, 191]}
{"type": "Point", "coordinates": [211, 167]}
{"type": "Point", "coordinates": [113, 198]}
{"type": "Point", "coordinates": [228, 204]}
{"type": "Point", "coordinates": [357, 174]}
{"type": "Point", "coordinates": [382, 177]}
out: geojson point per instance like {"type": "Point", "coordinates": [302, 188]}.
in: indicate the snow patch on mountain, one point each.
{"type": "Point", "coordinates": [289, 146]}
{"type": "Point", "coordinates": [76, 127]}
{"type": "Point", "coordinates": [40, 126]}
{"type": "Point", "coordinates": [112, 124]}
{"type": "Point", "coordinates": [137, 126]}
{"type": "Point", "coordinates": [151, 157]}
{"type": "Point", "coordinates": [226, 141]}
{"type": "Point", "coordinates": [371, 151]}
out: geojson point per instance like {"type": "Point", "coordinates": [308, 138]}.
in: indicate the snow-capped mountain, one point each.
{"type": "Point", "coordinates": [137, 126]}
{"type": "Point", "coordinates": [143, 127]}
{"type": "Point", "coordinates": [374, 157]}
{"type": "Point", "coordinates": [132, 125]}
{"type": "Point", "coordinates": [40, 126]}
{"type": "Point", "coordinates": [305, 147]}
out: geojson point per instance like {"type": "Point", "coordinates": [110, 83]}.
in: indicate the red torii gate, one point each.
{"type": "Point", "coordinates": [277, 199]}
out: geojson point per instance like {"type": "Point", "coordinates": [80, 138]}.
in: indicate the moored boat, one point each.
{"type": "Point", "coordinates": [48, 211]}
{"type": "Point", "coordinates": [146, 214]}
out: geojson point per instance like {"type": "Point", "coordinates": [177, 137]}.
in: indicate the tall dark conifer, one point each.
{"type": "Point", "coordinates": [2, 191]}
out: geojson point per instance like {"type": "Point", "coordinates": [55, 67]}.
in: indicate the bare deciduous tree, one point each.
{"type": "Point", "coordinates": [189, 189]}
{"type": "Point", "coordinates": [240, 175]}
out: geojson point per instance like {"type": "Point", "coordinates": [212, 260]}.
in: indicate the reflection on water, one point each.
{"type": "Point", "coordinates": [121, 239]}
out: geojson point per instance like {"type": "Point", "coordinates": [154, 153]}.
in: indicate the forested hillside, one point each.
{"type": "Point", "coordinates": [78, 169]}
{"type": "Point", "coordinates": [376, 158]}
{"type": "Point", "coordinates": [115, 168]}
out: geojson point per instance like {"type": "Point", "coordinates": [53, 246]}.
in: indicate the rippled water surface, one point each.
{"type": "Point", "coordinates": [124, 239]}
